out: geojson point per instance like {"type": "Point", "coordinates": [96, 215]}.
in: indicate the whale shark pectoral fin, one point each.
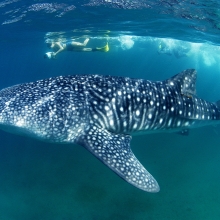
{"type": "Point", "coordinates": [114, 151]}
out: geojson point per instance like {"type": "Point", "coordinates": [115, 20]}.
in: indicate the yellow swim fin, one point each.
{"type": "Point", "coordinates": [103, 49]}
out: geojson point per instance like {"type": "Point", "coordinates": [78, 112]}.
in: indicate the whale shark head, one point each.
{"type": "Point", "coordinates": [101, 113]}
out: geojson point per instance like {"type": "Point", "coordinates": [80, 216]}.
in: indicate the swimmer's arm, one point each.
{"type": "Point", "coordinates": [61, 48]}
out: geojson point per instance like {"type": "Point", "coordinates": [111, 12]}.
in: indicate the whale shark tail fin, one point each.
{"type": "Point", "coordinates": [114, 151]}
{"type": "Point", "coordinates": [185, 82]}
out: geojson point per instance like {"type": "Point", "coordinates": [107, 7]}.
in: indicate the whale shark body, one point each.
{"type": "Point", "coordinates": [101, 113]}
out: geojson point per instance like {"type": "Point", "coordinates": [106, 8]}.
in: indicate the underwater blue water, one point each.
{"type": "Point", "coordinates": [51, 181]}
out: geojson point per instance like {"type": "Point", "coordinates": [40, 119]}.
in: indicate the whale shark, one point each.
{"type": "Point", "coordinates": [101, 113]}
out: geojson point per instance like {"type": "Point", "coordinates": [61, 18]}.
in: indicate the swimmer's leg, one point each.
{"type": "Point", "coordinates": [80, 44]}
{"type": "Point", "coordinates": [87, 49]}
{"type": "Point", "coordinates": [85, 42]}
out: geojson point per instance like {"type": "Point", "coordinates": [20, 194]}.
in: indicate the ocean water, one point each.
{"type": "Point", "coordinates": [63, 182]}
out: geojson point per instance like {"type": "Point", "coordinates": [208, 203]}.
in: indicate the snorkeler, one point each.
{"type": "Point", "coordinates": [58, 47]}
{"type": "Point", "coordinates": [164, 49]}
{"type": "Point", "coordinates": [177, 50]}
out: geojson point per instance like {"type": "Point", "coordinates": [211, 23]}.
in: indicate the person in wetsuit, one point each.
{"type": "Point", "coordinates": [58, 47]}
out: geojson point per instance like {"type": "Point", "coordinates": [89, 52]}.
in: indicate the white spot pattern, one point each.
{"type": "Point", "coordinates": [102, 110]}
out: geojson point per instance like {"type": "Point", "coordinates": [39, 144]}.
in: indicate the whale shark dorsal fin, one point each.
{"type": "Point", "coordinates": [114, 151]}
{"type": "Point", "coordinates": [185, 81]}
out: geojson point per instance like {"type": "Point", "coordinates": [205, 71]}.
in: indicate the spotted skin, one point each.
{"type": "Point", "coordinates": [101, 113]}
